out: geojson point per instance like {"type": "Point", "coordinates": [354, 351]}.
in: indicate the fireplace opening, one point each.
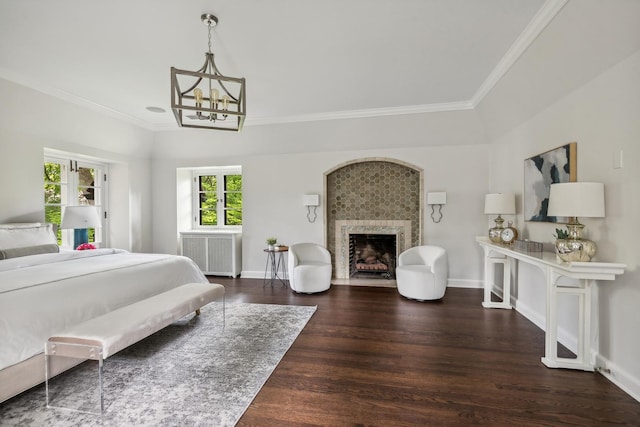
{"type": "Point", "coordinates": [372, 256]}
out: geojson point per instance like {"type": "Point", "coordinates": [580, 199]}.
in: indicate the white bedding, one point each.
{"type": "Point", "coordinates": [41, 295]}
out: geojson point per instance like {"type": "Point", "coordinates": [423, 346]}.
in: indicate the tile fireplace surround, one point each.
{"type": "Point", "coordinates": [372, 196]}
{"type": "Point", "coordinates": [402, 230]}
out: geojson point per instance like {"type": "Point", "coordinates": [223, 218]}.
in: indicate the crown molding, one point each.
{"type": "Point", "coordinates": [545, 15]}
{"type": "Point", "coordinates": [71, 98]}
{"type": "Point", "coordinates": [358, 114]}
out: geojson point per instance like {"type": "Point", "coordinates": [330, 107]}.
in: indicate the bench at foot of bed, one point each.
{"type": "Point", "coordinates": [105, 335]}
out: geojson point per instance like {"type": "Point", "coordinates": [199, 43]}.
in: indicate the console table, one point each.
{"type": "Point", "coordinates": [586, 273]}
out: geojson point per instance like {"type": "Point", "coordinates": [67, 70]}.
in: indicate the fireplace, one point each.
{"type": "Point", "coordinates": [372, 256]}
{"type": "Point", "coordinates": [391, 238]}
{"type": "Point", "coordinates": [381, 196]}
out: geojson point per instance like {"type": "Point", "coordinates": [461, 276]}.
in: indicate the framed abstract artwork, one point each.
{"type": "Point", "coordinates": [542, 170]}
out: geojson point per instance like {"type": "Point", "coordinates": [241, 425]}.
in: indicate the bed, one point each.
{"type": "Point", "coordinates": [44, 290]}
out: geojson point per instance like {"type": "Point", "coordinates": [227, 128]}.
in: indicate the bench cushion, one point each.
{"type": "Point", "coordinates": [120, 328]}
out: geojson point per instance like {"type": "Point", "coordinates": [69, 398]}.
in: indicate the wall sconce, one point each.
{"type": "Point", "coordinates": [311, 201]}
{"type": "Point", "coordinates": [436, 199]}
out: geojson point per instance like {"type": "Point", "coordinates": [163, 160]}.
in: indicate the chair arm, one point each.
{"type": "Point", "coordinates": [293, 259]}
{"type": "Point", "coordinates": [440, 266]}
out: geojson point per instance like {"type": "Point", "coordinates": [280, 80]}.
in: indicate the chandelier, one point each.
{"type": "Point", "coordinates": [211, 100]}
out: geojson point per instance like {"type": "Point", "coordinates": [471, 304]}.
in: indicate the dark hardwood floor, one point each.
{"type": "Point", "coordinates": [370, 357]}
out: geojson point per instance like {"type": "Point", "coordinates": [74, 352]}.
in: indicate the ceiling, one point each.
{"type": "Point", "coordinates": [303, 60]}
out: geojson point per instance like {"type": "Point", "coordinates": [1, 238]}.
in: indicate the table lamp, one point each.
{"type": "Point", "coordinates": [575, 199]}
{"type": "Point", "coordinates": [498, 204]}
{"type": "Point", "coordinates": [80, 218]}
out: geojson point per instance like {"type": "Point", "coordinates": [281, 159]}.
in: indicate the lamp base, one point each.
{"type": "Point", "coordinates": [496, 232]}
{"type": "Point", "coordinates": [575, 250]}
{"type": "Point", "coordinates": [80, 236]}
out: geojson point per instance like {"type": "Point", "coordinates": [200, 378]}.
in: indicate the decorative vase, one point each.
{"type": "Point", "coordinates": [575, 250]}
{"type": "Point", "coordinates": [270, 247]}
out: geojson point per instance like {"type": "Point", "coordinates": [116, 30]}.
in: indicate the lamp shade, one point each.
{"type": "Point", "coordinates": [84, 216]}
{"type": "Point", "coordinates": [577, 199]}
{"type": "Point", "coordinates": [499, 203]}
{"type": "Point", "coordinates": [311, 200]}
{"type": "Point", "coordinates": [437, 198]}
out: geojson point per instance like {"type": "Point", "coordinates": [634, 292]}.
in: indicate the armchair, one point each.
{"type": "Point", "coordinates": [422, 273]}
{"type": "Point", "coordinates": [309, 266]}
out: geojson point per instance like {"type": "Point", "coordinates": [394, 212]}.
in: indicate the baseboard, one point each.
{"type": "Point", "coordinates": [248, 274]}
{"type": "Point", "coordinates": [465, 283]}
{"type": "Point", "coordinates": [531, 315]}
{"type": "Point", "coordinates": [627, 382]}
{"type": "Point", "coordinates": [565, 338]}
{"type": "Point", "coordinates": [451, 283]}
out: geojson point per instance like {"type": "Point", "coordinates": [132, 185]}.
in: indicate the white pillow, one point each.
{"type": "Point", "coordinates": [26, 234]}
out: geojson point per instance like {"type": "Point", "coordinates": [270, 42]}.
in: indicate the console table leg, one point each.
{"type": "Point", "coordinates": [489, 281]}
{"type": "Point", "coordinates": [551, 333]}
{"type": "Point", "coordinates": [583, 293]}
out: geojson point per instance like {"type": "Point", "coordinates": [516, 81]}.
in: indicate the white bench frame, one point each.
{"type": "Point", "coordinates": [103, 336]}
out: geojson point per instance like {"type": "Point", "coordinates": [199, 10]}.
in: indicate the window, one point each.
{"type": "Point", "coordinates": [70, 182]}
{"type": "Point", "coordinates": [217, 198]}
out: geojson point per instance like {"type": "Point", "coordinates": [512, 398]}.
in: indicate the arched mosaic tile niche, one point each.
{"type": "Point", "coordinates": [373, 190]}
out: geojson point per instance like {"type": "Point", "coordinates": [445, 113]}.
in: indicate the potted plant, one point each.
{"type": "Point", "coordinates": [561, 234]}
{"type": "Point", "coordinates": [271, 241]}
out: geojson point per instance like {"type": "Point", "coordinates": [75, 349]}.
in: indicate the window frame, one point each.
{"type": "Point", "coordinates": [220, 173]}
{"type": "Point", "coordinates": [72, 163]}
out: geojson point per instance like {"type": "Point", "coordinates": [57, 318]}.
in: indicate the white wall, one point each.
{"type": "Point", "coordinates": [602, 117]}
{"type": "Point", "coordinates": [275, 183]}
{"type": "Point", "coordinates": [51, 123]}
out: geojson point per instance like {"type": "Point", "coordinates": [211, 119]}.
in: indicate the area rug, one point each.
{"type": "Point", "coordinates": [192, 373]}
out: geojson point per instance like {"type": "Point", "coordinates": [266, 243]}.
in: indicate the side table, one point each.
{"type": "Point", "coordinates": [277, 265]}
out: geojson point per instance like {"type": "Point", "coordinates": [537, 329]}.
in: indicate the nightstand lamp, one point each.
{"type": "Point", "coordinates": [499, 204]}
{"type": "Point", "coordinates": [574, 199]}
{"type": "Point", "coordinates": [80, 218]}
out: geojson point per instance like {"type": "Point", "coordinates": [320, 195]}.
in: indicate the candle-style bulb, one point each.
{"type": "Point", "coordinates": [197, 92]}
{"type": "Point", "coordinates": [225, 102]}
{"type": "Point", "coordinates": [215, 95]}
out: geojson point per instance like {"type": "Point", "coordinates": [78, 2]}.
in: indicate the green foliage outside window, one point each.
{"type": "Point", "coordinates": [233, 199]}
{"type": "Point", "coordinates": [53, 196]}
{"type": "Point", "coordinates": [230, 197]}
{"type": "Point", "coordinates": [208, 200]}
